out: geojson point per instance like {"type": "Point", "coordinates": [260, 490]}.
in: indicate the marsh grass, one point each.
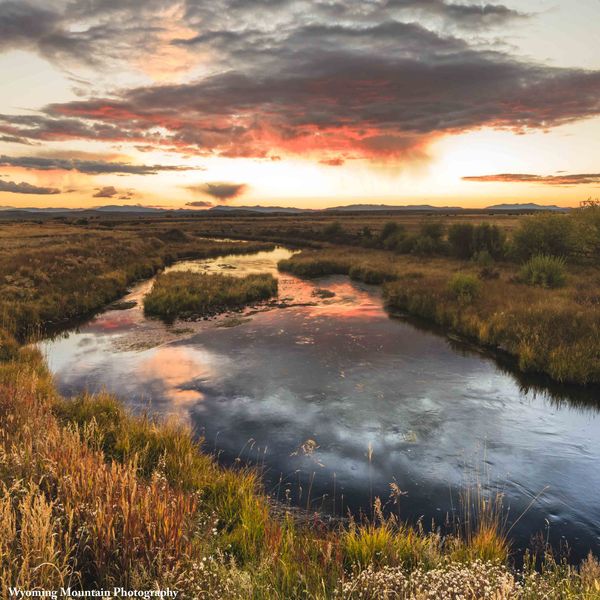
{"type": "Point", "coordinates": [53, 274]}
{"type": "Point", "coordinates": [544, 270]}
{"type": "Point", "coordinates": [191, 294]}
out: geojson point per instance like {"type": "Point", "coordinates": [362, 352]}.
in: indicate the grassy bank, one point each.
{"type": "Point", "coordinates": [188, 294]}
{"type": "Point", "coordinates": [102, 498]}
{"type": "Point", "coordinates": [51, 274]}
{"type": "Point", "coordinates": [555, 331]}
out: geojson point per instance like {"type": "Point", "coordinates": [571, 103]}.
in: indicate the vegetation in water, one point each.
{"type": "Point", "coordinates": [190, 294]}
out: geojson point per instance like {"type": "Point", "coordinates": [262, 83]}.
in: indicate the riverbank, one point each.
{"type": "Point", "coordinates": [550, 331]}
{"type": "Point", "coordinates": [103, 498]}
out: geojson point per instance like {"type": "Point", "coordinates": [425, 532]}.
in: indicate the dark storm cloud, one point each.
{"type": "Point", "coordinates": [99, 32]}
{"type": "Point", "coordinates": [348, 78]}
{"type": "Point", "coordinates": [562, 179]}
{"type": "Point", "coordinates": [339, 100]}
{"type": "Point", "coordinates": [90, 167]}
{"type": "Point", "coordinates": [465, 15]}
{"type": "Point", "coordinates": [220, 191]}
{"type": "Point", "coordinates": [25, 188]}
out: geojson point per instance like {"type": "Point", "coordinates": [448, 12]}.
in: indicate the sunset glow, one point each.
{"type": "Point", "coordinates": [296, 103]}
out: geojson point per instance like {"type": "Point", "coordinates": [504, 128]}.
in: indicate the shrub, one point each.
{"type": "Point", "coordinates": [546, 233]}
{"type": "Point", "coordinates": [544, 270]}
{"type": "Point", "coordinates": [464, 287]}
{"type": "Point", "coordinates": [434, 230]}
{"type": "Point", "coordinates": [425, 246]}
{"type": "Point", "coordinates": [489, 238]}
{"type": "Point", "coordinates": [467, 240]}
{"type": "Point", "coordinates": [333, 231]}
{"type": "Point", "coordinates": [460, 238]}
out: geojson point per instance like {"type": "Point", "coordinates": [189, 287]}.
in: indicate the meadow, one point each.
{"type": "Point", "coordinates": [91, 496]}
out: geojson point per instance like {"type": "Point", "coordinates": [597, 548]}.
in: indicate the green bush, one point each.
{"type": "Point", "coordinates": [467, 240]}
{"type": "Point", "coordinates": [544, 270]}
{"type": "Point", "coordinates": [460, 238]}
{"type": "Point", "coordinates": [334, 231]}
{"type": "Point", "coordinates": [547, 234]}
{"type": "Point", "coordinates": [489, 238]}
{"type": "Point", "coordinates": [464, 287]}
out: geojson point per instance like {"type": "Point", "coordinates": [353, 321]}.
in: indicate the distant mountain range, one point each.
{"type": "Point", "coordinates": [526, 206]}
{"type": "Point", "coordinates": [224, 209]}
{"type": "Point", "coordinates": [258, 209]}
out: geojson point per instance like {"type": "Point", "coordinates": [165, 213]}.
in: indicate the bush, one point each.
{"type": "Point", "coordinates": [489, 238]}
{"type": "Point", "coordinates": [467, 240]}
{"type": "Point", "coordinates": [547, 233]}
{"type": "Point", "coordinates": [544, 270]}
{"type": "Point", "coordinates": [334, 231]}
{"type": "Point", "coordinates": [460, 238]}
{"type": "Point", "coordinates": [464, 287]}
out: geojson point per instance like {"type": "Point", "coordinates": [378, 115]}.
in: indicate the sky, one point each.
{"type": "Point", "coordinates": [191, 103]}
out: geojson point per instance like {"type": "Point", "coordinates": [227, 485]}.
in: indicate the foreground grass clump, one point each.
{"type": "Point", "coordinates": [190, 294]}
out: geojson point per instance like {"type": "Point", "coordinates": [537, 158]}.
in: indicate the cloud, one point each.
{"type": "Point", "coordinates": [90, 167]}
{"type": "Point", "coordinates": [566, 179]}
{"type": "Point", "coordinates": [377, 80]}
{"type": "Point", "coordinates": [25, 188]}
{"type": "Point", "coordinates": [108, 191]}
{"type": "Point", "coordinates": [221, 191]}
{"type": "Point", "coordinates": [200, 204]}
{"type": "Point", "coordinates": [333, 162]}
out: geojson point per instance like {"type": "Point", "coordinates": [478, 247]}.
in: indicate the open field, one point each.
{"type": "Point", "coordinates": [103, 498]}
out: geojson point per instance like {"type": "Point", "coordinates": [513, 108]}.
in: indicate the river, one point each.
{"type": "Point", "coordinates": [336, 400]}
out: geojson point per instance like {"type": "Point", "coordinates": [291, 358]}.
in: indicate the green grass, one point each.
{"type": "Point", "coordinates": [544, 270]}
{"type": "Point", "coordinates": [189, 294]}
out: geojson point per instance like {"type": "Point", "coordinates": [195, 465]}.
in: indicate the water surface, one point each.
{"type": "Point", "coordinates": [311, 389]}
